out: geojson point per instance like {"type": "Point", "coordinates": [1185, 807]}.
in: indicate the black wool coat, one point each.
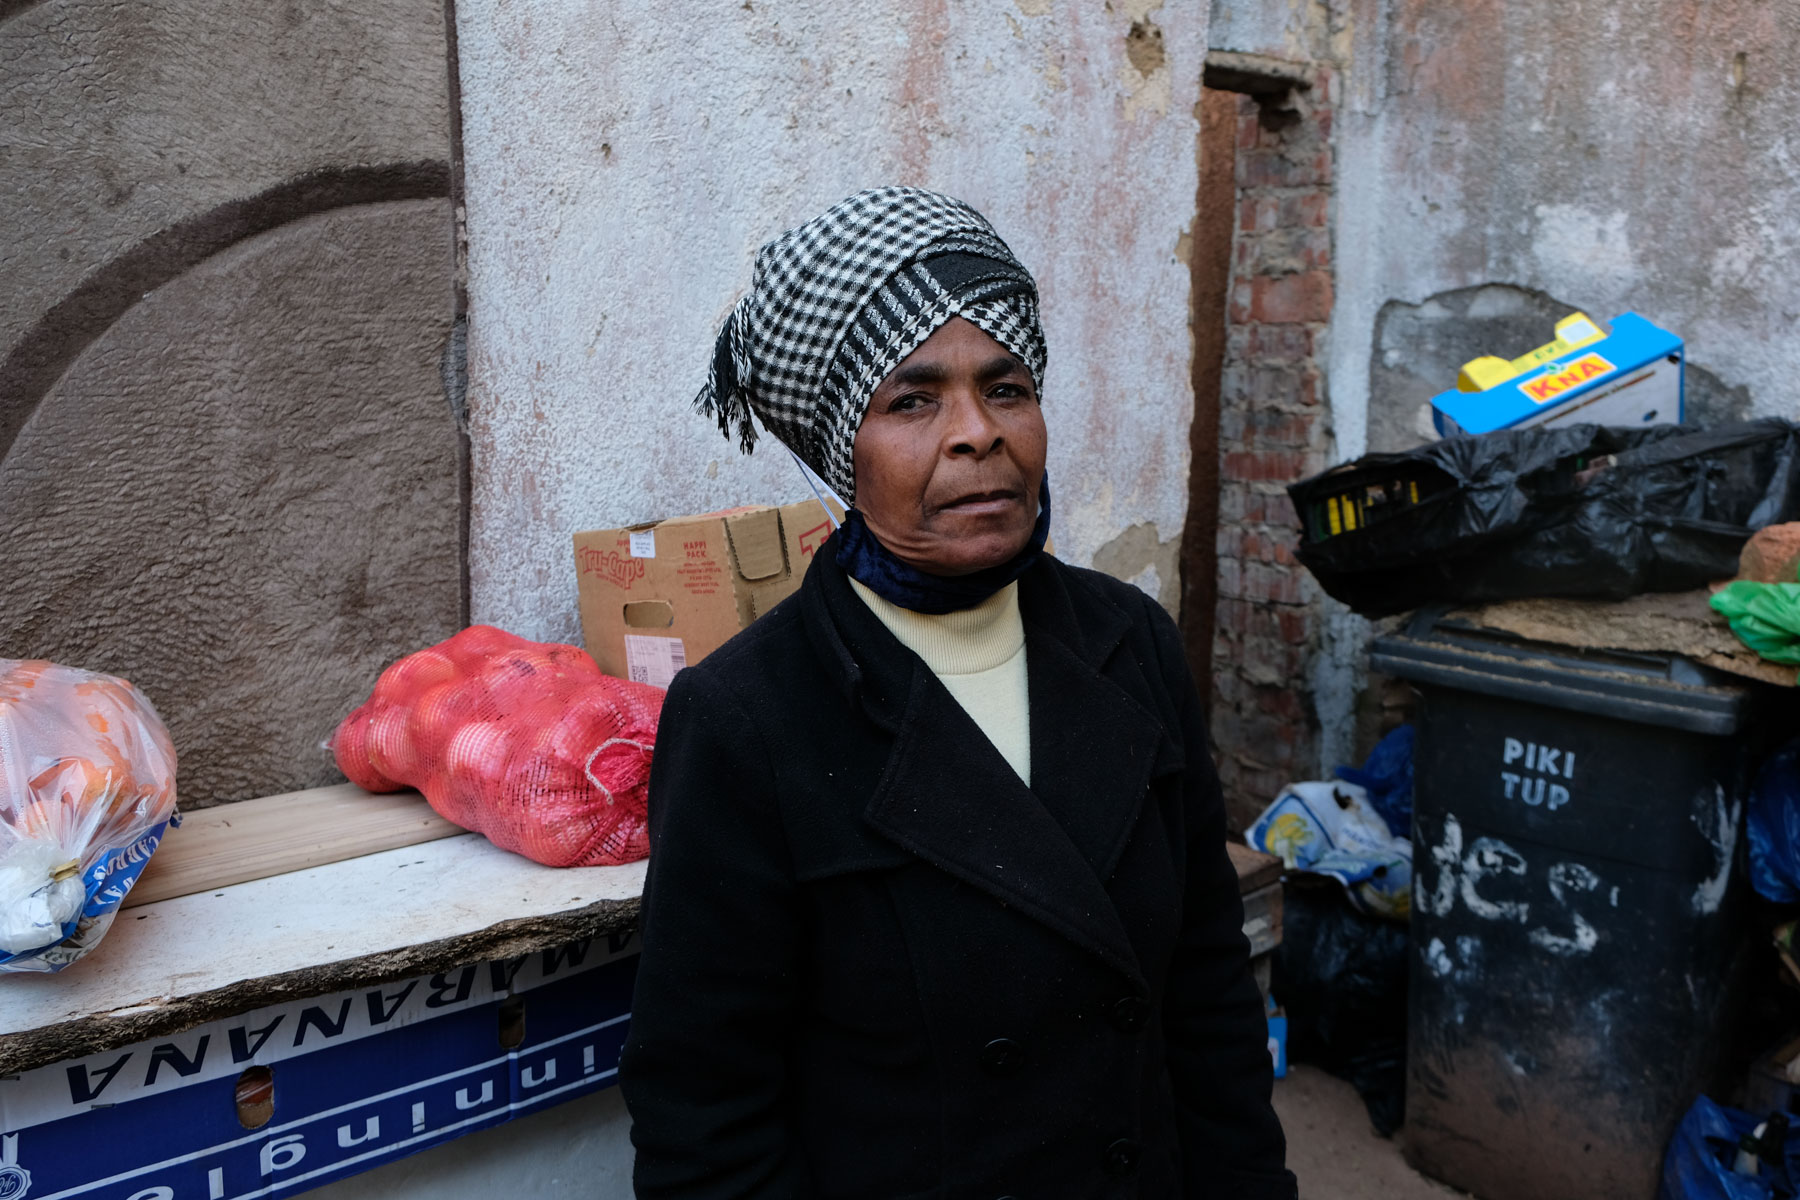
{"type": "Point", "coordinates": [876, 964]}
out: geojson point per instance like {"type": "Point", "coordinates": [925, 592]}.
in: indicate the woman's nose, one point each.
{"type": "Point", "coordinates": [972, 428]}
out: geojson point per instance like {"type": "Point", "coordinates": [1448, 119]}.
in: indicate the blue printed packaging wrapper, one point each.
{"type": "Point", "coordinates": [87, 790]}
{"type": "Point", "coordinates": [1330, 829]}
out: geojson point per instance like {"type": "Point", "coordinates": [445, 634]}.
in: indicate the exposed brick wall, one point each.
{"type": "Point", "coordinates": [1273, 429]}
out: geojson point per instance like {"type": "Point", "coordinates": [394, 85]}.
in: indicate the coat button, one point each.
{"type": "Point", "coordinates": [1130, 1013]}
{"type": "Point", "coordinates": [1002, 1056]}
{"type": "Point", "coordinates": [1122, 1157]}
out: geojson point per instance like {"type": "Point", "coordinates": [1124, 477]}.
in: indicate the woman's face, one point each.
{"type": "Point", "coordinates": [950, 455]}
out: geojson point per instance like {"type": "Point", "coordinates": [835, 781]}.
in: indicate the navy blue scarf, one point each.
{"type": "Point", "coordinates": [873, 565]}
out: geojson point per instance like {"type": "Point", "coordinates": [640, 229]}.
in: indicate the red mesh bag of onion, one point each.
{"type": "Point", "coordinates": [525, 742]}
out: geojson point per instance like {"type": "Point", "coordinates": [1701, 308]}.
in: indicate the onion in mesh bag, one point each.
{"type": "Point", "coordinates": [87, 788]}
{"type": "Point", "coordinates": [525, 742]}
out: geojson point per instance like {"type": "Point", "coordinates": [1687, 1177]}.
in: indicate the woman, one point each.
{"type": "Point", "coordinates": [938, 900]}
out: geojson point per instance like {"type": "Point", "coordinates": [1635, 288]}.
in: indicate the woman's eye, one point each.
{"type": "Point", "coordinates": [906, 403]}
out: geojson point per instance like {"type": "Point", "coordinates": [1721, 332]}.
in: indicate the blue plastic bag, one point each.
{"type": "Point", "coordinates": [1774, 827]}
{"type": "Point", "coordinates": [1697, 1165]}
{"type": "Point", "coordinates": [1387, 778]}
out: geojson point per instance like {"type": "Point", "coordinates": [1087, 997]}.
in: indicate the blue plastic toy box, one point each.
{"type": "Point", "coordinates": [1632, 376]}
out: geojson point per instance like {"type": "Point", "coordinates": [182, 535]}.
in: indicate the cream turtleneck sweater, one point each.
{"type": "Point", "coordinates": [979, 655]}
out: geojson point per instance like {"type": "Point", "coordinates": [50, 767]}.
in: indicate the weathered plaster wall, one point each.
{"type": "Point", "coordinates": [1613, 154]}
{"type": "Point", "coordinates": [1416, 347]}
{"type": "Point", "coordinates": [118, 121]}
{"type": "Point", "coordinates": [622, 167]}
{"type": "Point", "coordinates": [1500, 164]}
{"type": "Point", "coordinates": [227, 470]}
{"type": "Point", "coordinates": [1289, 29]}
{"type": "Point", "coordinates": [245, 517]}
{"type": "Point", "coordinates": [1610, 155]}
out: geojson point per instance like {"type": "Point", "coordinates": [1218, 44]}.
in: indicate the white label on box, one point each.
{"type": "Point", "coordinates": [643, 544]}
{"type": "Point", "coordinates": [1579, 331]}
{"type": "Point", "coordinates": [653, 660]}
{"type": "Point", "coordinates": [1650, 396]}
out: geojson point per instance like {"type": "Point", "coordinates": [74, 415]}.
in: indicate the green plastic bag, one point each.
{"type": "Point", "coordinates": [1765, 616]}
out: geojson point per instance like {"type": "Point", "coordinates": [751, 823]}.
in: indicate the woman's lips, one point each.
{"type": "Point", "coordinates": [978, 503]}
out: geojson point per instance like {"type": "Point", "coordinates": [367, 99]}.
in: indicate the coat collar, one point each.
{"type": "Point", "coordinates": [1051, 602]}
{"type": "Point", "coordinates": [947, 796]}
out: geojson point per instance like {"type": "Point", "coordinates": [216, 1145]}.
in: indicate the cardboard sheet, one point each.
{"type": "Point", "coordinates": [1656, 622]}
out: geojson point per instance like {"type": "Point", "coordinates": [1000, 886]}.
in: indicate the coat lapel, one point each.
{"type": "Point", "coordinates": [1092, 751]}
{"type": "Point", "coordinates": [948, 797]}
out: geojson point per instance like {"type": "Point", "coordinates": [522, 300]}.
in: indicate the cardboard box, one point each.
{"type": "Point", "coordinates": [1632, 376]}
{"type": "Point", "coordinates": [659, 596]}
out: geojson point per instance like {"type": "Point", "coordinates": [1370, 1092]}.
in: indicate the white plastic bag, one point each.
{"type": "Point", "coordinates": [87, 789]}
{"type": "Point", "coordinates": [1331, 829]}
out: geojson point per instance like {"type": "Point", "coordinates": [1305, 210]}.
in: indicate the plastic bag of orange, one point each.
{"type": "Point", "coordinates": [87, 789]}
{"type": "Point", "coordinates": [525, 742]}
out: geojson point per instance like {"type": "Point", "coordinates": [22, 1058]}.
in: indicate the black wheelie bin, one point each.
{"type": "Point", "coordinates": [1577, 906]}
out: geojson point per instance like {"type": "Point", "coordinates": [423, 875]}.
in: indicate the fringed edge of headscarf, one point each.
{"type": "Point", "coordinates": [725, 398]}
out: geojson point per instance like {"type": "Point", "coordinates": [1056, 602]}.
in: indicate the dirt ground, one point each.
{"type": "Point", "coordinates": [1335, 1153]}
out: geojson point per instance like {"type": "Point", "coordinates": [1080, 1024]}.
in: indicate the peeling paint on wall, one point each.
{"type": "Point", "coordinates": [1140, 557]}
{"type": "Point", "coordinates": [1489, 142]}
{"type": "Point", "coordinates": [1659, 176]}
{"type": "Point", "coordinates": [1419, 347]}
{"type": "Point", "coordinates": [1145, 74]}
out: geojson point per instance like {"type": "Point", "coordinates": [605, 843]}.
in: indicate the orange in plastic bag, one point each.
{"type": "Point", "coordinates": [87, 789]}
{"type": "Point", "coordinates": [525, 742]}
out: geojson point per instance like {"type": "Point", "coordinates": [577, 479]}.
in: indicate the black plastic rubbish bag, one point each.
{"type": "Point", "coordinates": [1341, 976]}
{"type": "Point", "coordinates": [1578, 510]}
{"type": "Point", "coordinates": [1698, 1163]}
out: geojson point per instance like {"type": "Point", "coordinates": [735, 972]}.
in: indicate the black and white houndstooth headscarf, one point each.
{"type": "Point", "coordinates": [837, 303]}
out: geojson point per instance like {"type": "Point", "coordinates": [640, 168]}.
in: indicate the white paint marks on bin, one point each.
{"type": "Point", "coordinates": [1492, 857]}
{"type": "Point", "coordinates": [1447, 855]}
{"type": "Point", "coordinates": [1717, 821]}
{"type": "Point", "coordinates": [1483, 876]}
{"type": "Point", "coordinates": [1437, 959]}
{"type": "Point", "coordinates": [1582, 937]}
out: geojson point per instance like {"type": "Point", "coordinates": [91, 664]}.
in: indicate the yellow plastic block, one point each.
{"type": "Point", "coordinates": [1572, 333]}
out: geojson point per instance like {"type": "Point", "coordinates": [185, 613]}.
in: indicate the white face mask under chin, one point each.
{"type": "Point", "coordinates": [820, 490]}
